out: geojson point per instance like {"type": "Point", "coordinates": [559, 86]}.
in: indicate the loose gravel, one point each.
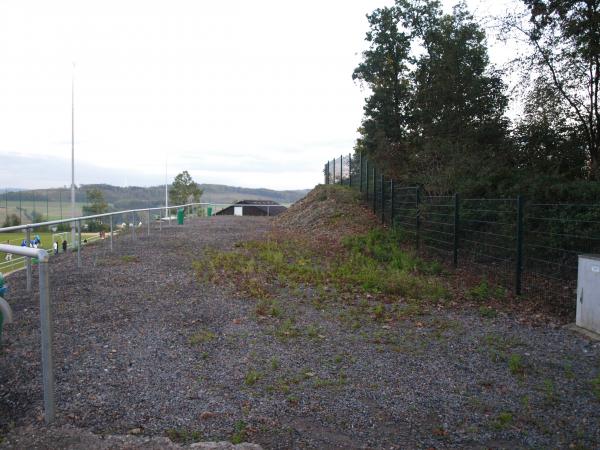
{"type": "Point", "coordinates": [142, 346]}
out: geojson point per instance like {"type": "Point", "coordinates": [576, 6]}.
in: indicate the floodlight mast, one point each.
{"type": "Point", "coordinates": [73, 154]}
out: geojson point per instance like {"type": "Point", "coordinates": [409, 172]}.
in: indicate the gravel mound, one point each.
{"type": "Point", "coordinates": [331, 210]}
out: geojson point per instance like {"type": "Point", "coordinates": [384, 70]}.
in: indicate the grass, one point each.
{"type": "Point", "coordinates": [201, 337]}
{"type": "Point", "coordinates": [595, 382]}
{"type": "Point", "coordinates": [502, 421]}
{"type": "Point", "coordinates": [516, 365]}
{"type": "Point", "coordinates": [183, 436]}
{"type": "Point", "coordinates": [371, 263]}
{"type": "Point", "coordinates": [252, 376]}
{"type": "Point", "coordinates": [239, 432]}
{"type": "Point", "coordinates": [129, 258]}
{"type": "Point", "coordinates": [484, 291]}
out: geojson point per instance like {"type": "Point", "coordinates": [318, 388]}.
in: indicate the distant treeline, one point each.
{"type": "Point", "coordinates": [140, 197]}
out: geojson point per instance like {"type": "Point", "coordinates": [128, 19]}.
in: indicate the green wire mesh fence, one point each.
{"type": "Point", "coordinates": [527, 247]}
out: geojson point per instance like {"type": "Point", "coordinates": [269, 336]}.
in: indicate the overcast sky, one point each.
{"type": "Point", "coordinates": [247, 93]}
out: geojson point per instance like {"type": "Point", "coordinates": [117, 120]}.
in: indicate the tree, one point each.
{"type": "Point", "coordinates": [436, 109]}
{"type": "Point", "coordinates": [184, 189]}
{"type": "Point", "coordinates": [11, 220]}
{"type": "Point", "coordinates": [96, 203]}
{"type": "Point", "coordinates": [384, 70]}
{"type": "Point", "coordinates": [565, 39]}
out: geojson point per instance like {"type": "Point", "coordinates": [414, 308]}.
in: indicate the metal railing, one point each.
{"type": "Point", "coordinates": [45, 321]}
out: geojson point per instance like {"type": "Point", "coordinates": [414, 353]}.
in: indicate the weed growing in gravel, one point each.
{"type": "Point", "coordinates": [239, 432]}
{"type": "Point", "coordinates": [499, 346]}
{"type": "Point", "coordinates": [287, 329]}
{"type": "Point", "coordinates": [252, 376]}
{"type": "Point", "coordinates": [502, 421]}
{"type": "Point", "coordinates": [596, 386]}
{"type": "Point", "coordinates": [183, 436]}
{"type": "Point", "coordinates": [201, 337]}
{"type": "Point", "coordinates": [516, 364]}
{"type": "Point", "coordinates": [268, 308]}
{"type": "Point", "coordinates": [129, 258]}
{"type": "Point", "coordinates": [551, 397]}
{"type": "Point", "coordinates": [274, 363]}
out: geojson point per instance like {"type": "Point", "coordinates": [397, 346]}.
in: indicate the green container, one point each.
{"type": "Point", "coordinates": [209, 211]}
{"type": "Point", "coordinates": [180, 216]}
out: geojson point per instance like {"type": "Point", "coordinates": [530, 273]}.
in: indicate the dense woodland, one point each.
{"type": "Point", "coordinates": [436, 113]}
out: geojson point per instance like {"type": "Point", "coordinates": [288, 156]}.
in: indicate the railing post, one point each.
{"type": "Point", "coordinates": [360, 183]}
{"type": "Point", "coordinates": [519, 249]}
{"type": "Point", "coordinates": [46, 329]}
{"type": "Point", "coordinates": [341, 169]}
{"type": "Point", "coordinates": [160, 219]}
{"type": "Point", "coordinates": [111, 233]}
{"type": "Point", "coordinates": [133, 226]}
{"type": "Point", "coordinates": [382, 200]}
{"type": "Point", "coordinates": [79, 243]}
{"type": "Point", "coordinates": [28, 261]}
{"type": "Point", "coordinates": [418, 216]}
{"type": "Point", "coordinates": [391, 203]}
{"type": "Point", "coordinates": [456, 230]}
{"type": "Point", "coordinates": [148, 222]}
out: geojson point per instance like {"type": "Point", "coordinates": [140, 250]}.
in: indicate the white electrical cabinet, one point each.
{"type": "Point", "coordinates": [238, 210]}
{"type": "Point", "coordinates": [588, 293]}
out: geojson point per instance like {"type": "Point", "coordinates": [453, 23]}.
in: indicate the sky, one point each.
{"type": "Point", "coordinates": [245, 93]}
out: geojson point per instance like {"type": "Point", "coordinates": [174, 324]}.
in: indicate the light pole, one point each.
{"type": "Point", "coordinates": [73, 154]}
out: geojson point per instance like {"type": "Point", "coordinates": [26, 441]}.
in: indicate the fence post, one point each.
{"type": "Point", "coordinates": [418, 216]}
{"type": "Point", "coordinates": [374, 191]}
{"type": "Point", "coordinates": [111, 233]}
{"type": "Point", "coordinates": [382, 200]}
{"type": "Point", "coordinates": [391, 203]}
{"type": "Point", "coordinates": [367, 179]}
{"type": "Point", "coordinates": [333, 170]}
{"type": "Point", "coordinates": [456, 231]}
{"type": "Point", "coordinates": [360, 172]}
{"type": "Point", "coordinates": [519, 249]}
{"type": "Point", "coordinates": [341, 169]}
{"type": "Point", "coordinates": [350, 169]}
{"type": "Point", "coordinates": [28, 261]}
{"type": "Point", "coordinates": [149, 221]}
{"type": "Point", "coordinates": [133, 227]}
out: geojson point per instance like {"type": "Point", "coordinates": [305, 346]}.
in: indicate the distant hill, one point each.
{"type": "Point", "coordinates": [141, 197]}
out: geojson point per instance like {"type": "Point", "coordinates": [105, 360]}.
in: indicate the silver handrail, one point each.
{"type": "Point", "coordinates": [45, 322]}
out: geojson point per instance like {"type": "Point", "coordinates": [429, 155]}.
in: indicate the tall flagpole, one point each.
{"type": "Point", "coordinates": [73, 154]}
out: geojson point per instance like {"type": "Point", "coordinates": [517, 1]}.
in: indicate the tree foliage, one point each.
{"type": "Point", "coordinates": [96, 203]}
{"type": "Point", "coordinates": [435, 114]}
{"type": "Point", "coordinates": [436, 109]}
{"type": "Point", "coordinates": [184, 189]}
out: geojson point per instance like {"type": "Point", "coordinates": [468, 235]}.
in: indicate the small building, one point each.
{"type": "Point", "coordinates": [253, 208]}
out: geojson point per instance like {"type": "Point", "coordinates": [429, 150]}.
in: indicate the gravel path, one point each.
{"type": "Point", "coordinates": [142, 346]}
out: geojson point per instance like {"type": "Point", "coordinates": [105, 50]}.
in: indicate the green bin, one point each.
{"type": "Point", "coordinates": [180, 216]}
{"type": "Point", "coordinates": [209, 211]}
